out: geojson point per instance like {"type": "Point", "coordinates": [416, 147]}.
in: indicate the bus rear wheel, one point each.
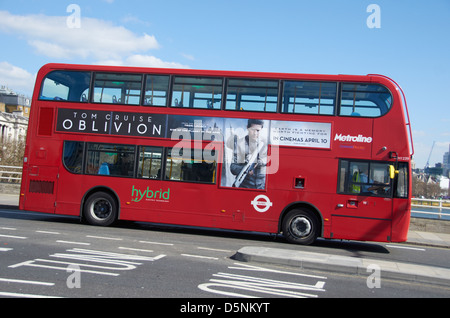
{"type": "Point", "coordinates": [100, 208]}
{"type": "Point", "coordinates": [300, 227]}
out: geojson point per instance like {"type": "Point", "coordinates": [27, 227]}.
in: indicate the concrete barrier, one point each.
{"type": "Point", "coordinates": [430, 225]}
{"type": "Point", "coordinates": [9, 188]}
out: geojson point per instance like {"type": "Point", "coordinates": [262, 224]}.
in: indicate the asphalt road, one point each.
{"type": "Point", "coordinates": [55, 256]}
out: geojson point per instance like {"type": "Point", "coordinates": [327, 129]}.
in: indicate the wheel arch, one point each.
{"type": "Point", "coordinates": [301, 205]}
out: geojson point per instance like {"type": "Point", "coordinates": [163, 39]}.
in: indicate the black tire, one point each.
{"type": "Point", "coordinates": [300, 227]}
{"type": "Point", "coordinates": [100, 209]}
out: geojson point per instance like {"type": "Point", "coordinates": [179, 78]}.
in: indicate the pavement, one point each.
{"type": "Point", "coordinates": [337, 263]}
{"type": "Point", "coordinates": [345, 264]}
{"type": "Point", "coordinates": [357, 265]}
{"type": "Point", "coordinates": [9, 199]}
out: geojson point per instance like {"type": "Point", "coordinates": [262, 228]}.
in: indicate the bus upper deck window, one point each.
{"type": "Point", "coordinates": [252, 95]}
{"type": "Point", "coordinates": [156, 90]}
{"type": "Point", "coordinates": [71, 86]}
{"type": "Point", "coordinates": [197, 92]}
{"type": "Point", "coordinates": [115, 88]}
{"type": "Point", "coordinates": [315, 98]}
{"type": "Point", "coordinates": [365, 100]}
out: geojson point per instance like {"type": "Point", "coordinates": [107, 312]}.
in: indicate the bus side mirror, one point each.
{"type": "Point", "coordinates": [392, 171]}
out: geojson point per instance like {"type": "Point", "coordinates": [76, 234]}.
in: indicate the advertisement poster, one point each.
{"type": "Point", "coordinates": [111, 123]}
{"type": "Point", "coordinates": [245, 153]}
{"type": "Point", "coordinates": [300, 134]}
{"type": "Point", "coordinates": [200, 128]}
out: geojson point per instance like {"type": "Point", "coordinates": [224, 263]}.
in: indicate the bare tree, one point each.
{"type": "Point", "coordinates": [11, 154]}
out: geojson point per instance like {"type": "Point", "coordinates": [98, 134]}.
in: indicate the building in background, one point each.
{"type": "Point", "coordinates": [14, 114]}
{"type": "Point", "coordinates": [446, 163]}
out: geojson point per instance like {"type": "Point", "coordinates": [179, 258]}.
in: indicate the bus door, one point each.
{"type": "Point", "coordinates": [41, 188]}
{"type": "Point", "coordinates": [363, 206]}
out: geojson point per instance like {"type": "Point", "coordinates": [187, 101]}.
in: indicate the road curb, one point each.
{"type": "Point", "coordinates": [344, 264]}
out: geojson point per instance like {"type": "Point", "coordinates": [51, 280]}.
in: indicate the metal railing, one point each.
{"type": "Point", "coordinates": [437, 208]}
{"type": "Point", "coordinates": [10, 174]}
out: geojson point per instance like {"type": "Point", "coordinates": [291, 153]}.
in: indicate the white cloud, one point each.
{"type": "Point", "coordinates": [51, 36]}
{"type": "Point", "coordinates": [129, 18]}
{"type": "Point", "coordinates": [188, 56]}
{"type": "Point", "coordinates": [16, 78]}
{"type": "Point", "coordinates": [151, 61]}
{"type": "Point", "coordinates": [141, 61]}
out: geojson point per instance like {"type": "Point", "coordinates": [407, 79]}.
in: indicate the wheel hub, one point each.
{"type": "Point", "coordinates": [301, 226]}
{"type": "Point", "coordinates": [101, 209]}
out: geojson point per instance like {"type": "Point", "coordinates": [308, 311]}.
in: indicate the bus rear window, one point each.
{"type": "Point", "coordinates": [71, 86]}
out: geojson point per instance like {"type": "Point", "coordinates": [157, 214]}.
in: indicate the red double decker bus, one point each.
{"type": "Point", "coordinates": [303, 155]}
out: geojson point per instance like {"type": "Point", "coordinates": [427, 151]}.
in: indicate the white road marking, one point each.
{"type": "Point", "coordinates": [134, 249]}
{"type": "Point", "coordinates": [20, 281]}
{"type": "Point", "coordinates": [406, 247]}
{"type": "Point", "coordinates": [157, 243]}
{"type": "Point", "coordinates": [25, 295]}
{"type": "Point", "coordinates": [13, 236]}
{"type": "Point", "coordinates": [69, 242]}
{"type": "Point", "coordinates": [214, 249]}
{"type": "Point", "coordinates": [105, 238]}
{"type": "Point", "coordinates": [248, 267]}
{"type": "Point", "coordinates": [228, 284]}
{"type": "Point", "coordinates": [199, 256]}
{"type": "Point", "coordinates": [48, 232]}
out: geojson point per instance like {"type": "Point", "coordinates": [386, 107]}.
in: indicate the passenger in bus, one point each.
{"type": "Point", "coordinates": [177, 103]}
{"type": "Point", "coordinates": [104, 169]}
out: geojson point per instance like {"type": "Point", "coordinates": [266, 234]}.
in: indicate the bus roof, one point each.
{"type": "Point", "coordinates": [222, 73]}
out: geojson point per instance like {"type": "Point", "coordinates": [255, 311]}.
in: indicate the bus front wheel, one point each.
{"type": "Point", "coordinates": [300, 227]}
{"type": "Point", "coordinates": [100, 208]}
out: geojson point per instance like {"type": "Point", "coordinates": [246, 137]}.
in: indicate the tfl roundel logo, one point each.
{"type": "Point", "coordinates": [261, 203]}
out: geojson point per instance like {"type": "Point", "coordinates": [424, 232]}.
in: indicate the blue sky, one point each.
{"type": "Point", "coordinates": [412, 45]}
